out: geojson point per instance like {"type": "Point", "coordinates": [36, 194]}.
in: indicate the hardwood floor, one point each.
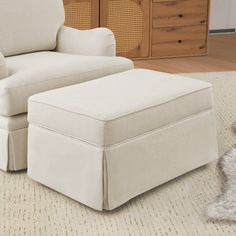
{"type": "Point", "coordinates": [221, 57]}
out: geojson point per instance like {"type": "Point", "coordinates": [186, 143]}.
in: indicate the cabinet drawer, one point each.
{"type": "Point", "coordinates": [176, 41]}
{"type": "Point", "coordinates": [179, 12]}
{"type": "Point", "coordinates": [187, 48]}
{"type": "Point", "coordinates": [179, 34]}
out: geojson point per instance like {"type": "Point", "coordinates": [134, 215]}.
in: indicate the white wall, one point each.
{"type": "Point", "coordinates": [223, 14]}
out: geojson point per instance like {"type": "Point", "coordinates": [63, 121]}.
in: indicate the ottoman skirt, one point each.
{"type": "Point", "coordinates": [106, 177]}
{"type": "Point", "coordinates": [13, 142]}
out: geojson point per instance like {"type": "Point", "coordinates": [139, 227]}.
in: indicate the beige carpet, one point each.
{"type": "Point", "coordinates": [175, 208]}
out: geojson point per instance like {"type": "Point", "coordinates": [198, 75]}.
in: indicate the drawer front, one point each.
{"type": "Point", "coordinates": [188, 48]}
{"type": "Point", "coordinates": [176, 41]}
{"type": "Point", "coordinates": [179, 13]}
{"type": "Point", "coordinates": [176, 34]}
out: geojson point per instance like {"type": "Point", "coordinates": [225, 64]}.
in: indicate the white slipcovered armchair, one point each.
{"type": "Point", "coordinates": [38, 53]}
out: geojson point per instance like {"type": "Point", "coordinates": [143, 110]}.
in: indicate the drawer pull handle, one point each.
{"type": "Point", "coordinates": [202, 47]}
{"type": "Point", "coordinates": [180, 15]}
{"type": "Point", "coordinates": [180, 41]}
{"type": "Point", "coordinates": [203, 21]}
{"type": "Point", "coordinates": [140, 2]}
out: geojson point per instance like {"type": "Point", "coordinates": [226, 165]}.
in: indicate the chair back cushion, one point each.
{"type": "Point", "coordinates": [29, 25]}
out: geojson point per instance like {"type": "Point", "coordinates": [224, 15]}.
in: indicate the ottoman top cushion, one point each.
{"type": "Point", "coordinates": [118, 107]}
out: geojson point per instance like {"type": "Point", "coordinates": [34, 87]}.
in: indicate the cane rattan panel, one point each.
{"type": "Point", "coordinates": [78, 13]}
{"type": "Point", "coordinates": [127, 19]}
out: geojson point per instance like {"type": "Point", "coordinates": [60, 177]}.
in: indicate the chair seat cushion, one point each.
{"type": "Point", "coordinates": [118, 107]}
{"type": "Point", "coordinates": [37, 72]}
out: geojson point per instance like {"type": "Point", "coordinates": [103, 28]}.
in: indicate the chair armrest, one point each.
{"type": "Point", "coordinates": [94, 42]}
{"type": "Point", "coordinates": [3, 67]}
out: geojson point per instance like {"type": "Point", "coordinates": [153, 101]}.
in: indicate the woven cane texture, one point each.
{"type": "Point", "coordinates": [78, 14]}
{"type": "Point", "coordinates": [173, 209]}
{"type": "Point", "coordinates": [125, 19]}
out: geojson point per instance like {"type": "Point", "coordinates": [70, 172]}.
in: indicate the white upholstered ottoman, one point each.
{"type": "Point", "coordinates": [106, 141]}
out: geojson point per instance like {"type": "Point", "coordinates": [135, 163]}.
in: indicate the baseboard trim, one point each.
{"type": "Point", "coordinates": [223, 31]}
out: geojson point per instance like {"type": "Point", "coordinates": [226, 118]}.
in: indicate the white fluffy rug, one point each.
{"type": "Point", "coordinates": [224, 208]}
{"type": "Point", "coordinates": [173, 209]}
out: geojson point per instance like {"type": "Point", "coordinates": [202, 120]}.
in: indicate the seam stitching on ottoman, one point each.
{"type": "Point", "coordinates": [119, 116]}
{"type": "Point", "coordinates": [126, 140]}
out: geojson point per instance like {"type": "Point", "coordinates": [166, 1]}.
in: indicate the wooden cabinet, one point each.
{"type": "Point", "coordinates": [82, 14]}
{"type": "Point", "coordinates": [146, 28]}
